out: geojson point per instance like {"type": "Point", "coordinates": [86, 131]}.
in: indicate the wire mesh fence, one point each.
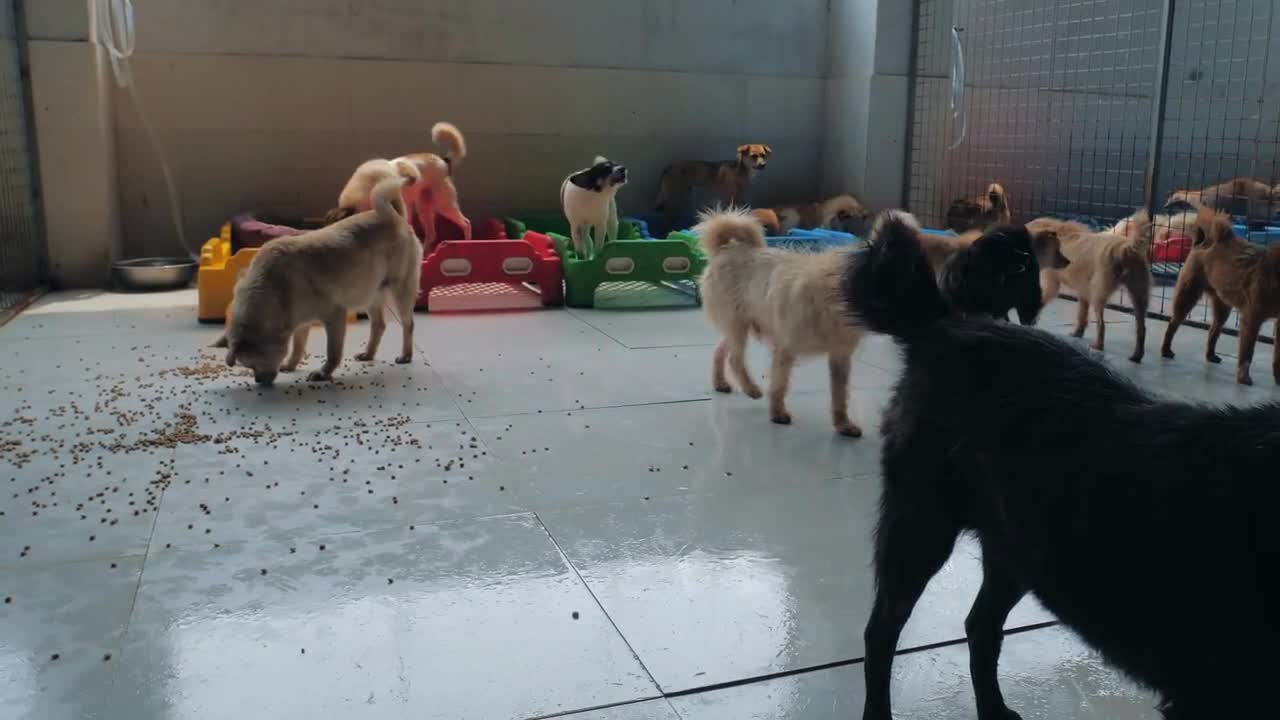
{"type": "Point", "coordinates": [20, 229]}
{"type": "Point", "coordinates": [1076, 108]}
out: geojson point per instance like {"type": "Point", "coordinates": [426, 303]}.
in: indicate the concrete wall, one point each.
{"type": "Point", "coordinates": [72, 107]}
{"type": "Point", "coordinates": [272, 103]}
{"type": "Point", "coordinates": [865, 123]}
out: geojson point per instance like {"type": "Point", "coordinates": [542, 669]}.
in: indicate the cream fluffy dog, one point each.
{"type": "Point", "coordinates": [433, 194]}
{"type": "Point", "coordinates": [788, 299]}
{"type": "Point", "coordinates": [321, 275]}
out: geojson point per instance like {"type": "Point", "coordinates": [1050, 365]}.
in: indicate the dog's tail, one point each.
{"type": "Point", "coordinates": [449, 137]}
{"type": "Point", "coordinates": [387, 199]}
{"type": "Point", "coordinates": [891, 288]}
{"type": "Point", "coordinates": [717, 229]}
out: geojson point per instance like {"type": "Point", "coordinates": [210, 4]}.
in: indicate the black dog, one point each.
{"type": "Point", "coordinates": [1000, 272]}
{"type": "Point", "coordinates": [1146, 526]}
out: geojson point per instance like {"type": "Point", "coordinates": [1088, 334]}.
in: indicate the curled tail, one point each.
{"type": "Point", "coordinates": [891, 288]}
{"type": "Point", "coordinates": [387, 197]}
{"type": "Point", "coordinates": [449, 137]}
{"type": "Point", "coordinates": [717, 229]}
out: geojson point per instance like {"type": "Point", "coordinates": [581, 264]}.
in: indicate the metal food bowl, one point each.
{"type": "Point", "coordinates": [154, 273]}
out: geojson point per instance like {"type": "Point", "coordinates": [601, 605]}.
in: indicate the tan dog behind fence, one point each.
{"type": "Point", "coordinates": [1234, 273]}
{"type": "Point", "coordinates": [1100, 264]}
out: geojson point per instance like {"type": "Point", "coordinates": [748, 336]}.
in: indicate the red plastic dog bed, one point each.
{"type": "Point", "coordinates": [490, 257]}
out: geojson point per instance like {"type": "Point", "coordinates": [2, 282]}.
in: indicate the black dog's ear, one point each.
{"type": "Point", "coordinates": [582, 179]}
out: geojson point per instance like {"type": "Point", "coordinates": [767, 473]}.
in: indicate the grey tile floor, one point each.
{"type": "Point", "coordinates": [547, 514]}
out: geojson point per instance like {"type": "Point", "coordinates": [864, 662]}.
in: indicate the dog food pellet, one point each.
{"type": "Point", "coordinates": [390, 581]}
{"type": "Point", "coordinates": [322, 547]}
{"type": "Point", "coordinates": [264, 571]}
{"type": "Point", "coordinates": [575, 614]}
{"type": "Point", "coordinates": [106, 658]}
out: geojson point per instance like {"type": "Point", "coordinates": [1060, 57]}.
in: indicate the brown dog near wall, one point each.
{"type": "Point", "coordinates": [729, 178]}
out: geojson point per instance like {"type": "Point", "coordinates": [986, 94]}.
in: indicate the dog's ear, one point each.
{"type": "Point", "coordinates": [744, 150]}
{"type": "Point", "coordinates": [767, 150]}
{"type": "Point", "coordinates": [582, 179]}
{"type": "Point", "coordinates": [600, 160]}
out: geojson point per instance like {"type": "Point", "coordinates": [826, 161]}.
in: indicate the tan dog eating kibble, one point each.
{"type": "Point", "coordinates": [352, 264]}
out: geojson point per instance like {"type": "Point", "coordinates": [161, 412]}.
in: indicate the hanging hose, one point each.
{"type": "Point", "coordinates": [113, 22]}
{"type": "Point", "coordinates": [958, 113]}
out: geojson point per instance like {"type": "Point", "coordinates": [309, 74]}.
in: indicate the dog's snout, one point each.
{"type": "Point", "coordinates": [265, 378]}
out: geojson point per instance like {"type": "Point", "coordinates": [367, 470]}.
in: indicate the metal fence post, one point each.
{"type": "Point", "coordinates": [1159, 100]}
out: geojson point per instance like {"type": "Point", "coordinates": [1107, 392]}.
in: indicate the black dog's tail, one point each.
{"type": "Point", "coordinates": [891, 288]}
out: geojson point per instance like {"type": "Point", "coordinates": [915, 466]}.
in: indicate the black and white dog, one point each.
{"type": "Point", "coordinates": [1145, 525]}
{"type": "Point", "coordinates": [590, 204]}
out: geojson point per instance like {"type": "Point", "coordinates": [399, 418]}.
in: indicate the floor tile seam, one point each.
{"type": "Point", "coordinates": [586, 586]}
{"type": "Point", "coordinates": [607, 706]}
{"type": "Point", "coordinates": [736, 490]}
{"type": "Point", "coordinates": [585, 408]}
{"type": "Point", "coordinates": [404, 523]}
{"type": "Point", "coordinates": [836, 664]}
{"type": "Point", "coordinates": [137, 586]}
{"type": "Point", "coordinates": [40, 566]}
{"type": "Point", "coordinates": [597, 328]}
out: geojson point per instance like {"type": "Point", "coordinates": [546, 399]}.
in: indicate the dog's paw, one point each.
{"type": "Point", "coordinates": [1213, 358]}
{"type": "Point", "coordinates": [288, 368]}
{"type": "Point", "coordinates": [781, 418]}
{"type": "Point", "coordinates": [404, 359]}
{"type": "Point", "coordinates": [723, 387]}
{"type": "Point", "coordinates": [753, 392]}
{"type": "Point", "coordinates": [319, 376]}
{"type": "Point", "coordinates": [1167, 353]}
{"type": "Point", "coordinates": [364, 357]}
{"type": "Point", "coordinates": [1244, 378]}
{"type": "Point", "coordinates": [1136, 357]}
{"type": "Point", "coordinates": [1077, 333]}
{"type": "Point", "coordinates": [1095, 345]}
{"type": "Point", "coordinates": [848, 429]}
